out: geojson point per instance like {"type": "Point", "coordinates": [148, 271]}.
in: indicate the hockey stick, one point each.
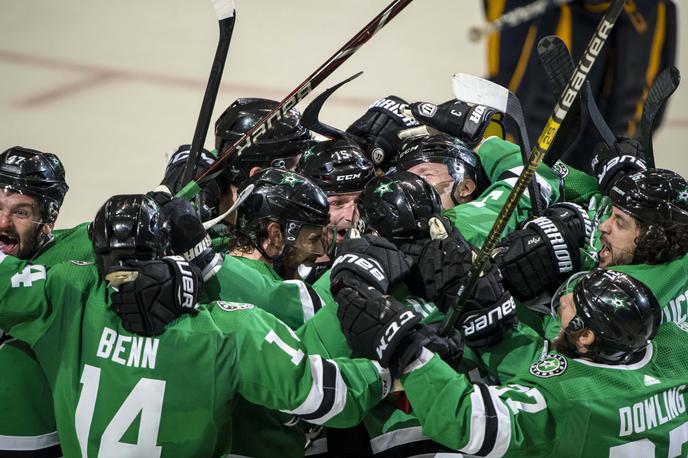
{"type": "Point", "coordinates": [513, 18]}
{"type": "Point", "coordinates": [663, 86]}
{"type": "Point", "coordinates": [301, 91]}
{"type": "Point", "coordinates": [479, 91]}
{"type": "Point", "coordinates": [537, 155]}
{"type": "Point", "coordinates": [226, 15]}
{"type": "Point", "coordinates": [310, 117]}
{"type": "Point", "coordinates": [558, 65]}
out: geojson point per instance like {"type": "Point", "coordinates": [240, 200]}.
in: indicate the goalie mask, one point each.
{"type": "Point", "coordinates": [127, 227]}
{"type": "Point", "coordinates": [398, 206]}
{"type": "Point", "coordinates": [279, 146]}
{"type": "Point", "coordinates": [623, 313]}
{"type": "Point", "coordinates": [291, 200]}
{"type": "Point", "coordinates": [337, 166]}
{"type": "Point", "coordinates": [40, 175]}
{"type": "Point", "coordinates": [460, 160]}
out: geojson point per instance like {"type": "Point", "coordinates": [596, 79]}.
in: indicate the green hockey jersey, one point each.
{"type": "Point", "coordinates": [563, 407]}
{"type": "Point", "coordinates": [503, 165]}
{"type": "Point", "coordinates": [27, 423]}
{"type": "Point", "coordinates": [116, 394]}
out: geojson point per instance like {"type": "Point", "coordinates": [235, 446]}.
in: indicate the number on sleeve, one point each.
{"type": "Point", "coordinates": [296, 354]}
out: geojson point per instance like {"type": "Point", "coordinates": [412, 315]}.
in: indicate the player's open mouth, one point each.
{"type": "Point", "coordinates": [8, 244]}
{"type": "Point", "coordinates": [605, 253]}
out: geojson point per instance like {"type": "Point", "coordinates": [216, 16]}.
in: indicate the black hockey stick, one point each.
{"type": "Point", "coordinates": [479, 91]}
{"type": "Point", "coordinates": [536, 156]}
{"type": "Point", "coordinates": [310, 119]}
{"type": "Point", "coordinates": [558, 65]}
{"type": "Point", "coordinates": [301, 91]}
{"type": "Point", "coordinates": [513, 18]}
{"type": "Point", "coordinates": [226, 15]}
{"type": "Point", "coordinates": [663, 86]}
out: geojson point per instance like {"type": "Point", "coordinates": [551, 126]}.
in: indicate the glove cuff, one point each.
{"type": "Point", "coordinates": [562, 247]}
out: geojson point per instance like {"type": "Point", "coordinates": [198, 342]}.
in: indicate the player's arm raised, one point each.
{"type": "Point", "coordinates": [274, 370]}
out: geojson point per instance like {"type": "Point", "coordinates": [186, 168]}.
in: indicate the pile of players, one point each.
{"type": "Point", "coordinates": [306, 321]}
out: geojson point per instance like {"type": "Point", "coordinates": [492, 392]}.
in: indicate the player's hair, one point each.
{"type": "Point", "coordinates": [242, 243]}
{"type": "Point", "coordinates": [657, 244]}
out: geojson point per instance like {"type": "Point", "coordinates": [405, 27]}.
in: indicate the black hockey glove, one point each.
{"type": "Point", "coordinates": [369, 261]}
{"type": "Point", "coordinates": [162, 292]}
{"type": "Point", "coordinates": [612, 164]}
{"type": "Point", "coordinates": [208, 199]}
{"type": "Point", "coordinates": [188, 238]}
{"type": "Point", "coordinates": [545, 252]}
{"type": "Point", "coordinates": [377, 131]}
{"type": "Point", "coordinates": [439, 267]}
{"type": "Point", "coordinates": [456, 118]}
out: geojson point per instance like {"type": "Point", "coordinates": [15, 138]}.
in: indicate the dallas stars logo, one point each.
{"type": "Point", "coordinates": [682, 196]}
{"type": "Point", "coordinates": [618, 302]}
{"type": "Point", "coordinates": [383, 188]}
{"type": "Point", "coordinates": [291, 179]}
{"type": "Point", "coordinates": [549, 365]}
{"type": "Point", "coordinates": [309, 152]}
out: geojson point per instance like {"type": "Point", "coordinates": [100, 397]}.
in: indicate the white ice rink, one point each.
{"type": "Point", "coordinates": [111, 86]}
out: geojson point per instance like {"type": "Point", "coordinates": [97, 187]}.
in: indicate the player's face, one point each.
{"type": "Point", "coordinates": [564, 343]}
{"type": "Point", "coordinates": [19, 224]}
{"type": "Point", "coordinates": [440, 179]}
{"type": "Point", "coordinates": [342, 207]}
{"type": "Point", "coordinates": [619, 234]}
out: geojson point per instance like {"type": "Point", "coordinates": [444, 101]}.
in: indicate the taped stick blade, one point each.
{"type": "Point", "coordinates": [479, 91]}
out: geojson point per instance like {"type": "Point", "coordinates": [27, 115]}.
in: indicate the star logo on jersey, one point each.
{"type": "Point", "coordinates": [291, 180]}
{"type": "Point", "coordinates": [550, 365]}
{"type": "Point", "coordinates": [383, 188]}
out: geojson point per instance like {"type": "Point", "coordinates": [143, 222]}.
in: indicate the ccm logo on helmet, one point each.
{"type": "Point", "coordinates": [352, 176]}
{"type": "Point", "coordinates": [391, 331]}
{"type": "Point", "coordinates": [480, 322]}
{"type": "Point", "coordinates": [372, 267]}
{"type": "Point", "coordinates": [186, 289]}
{"type": "Point", "coordinates": [561, 252]}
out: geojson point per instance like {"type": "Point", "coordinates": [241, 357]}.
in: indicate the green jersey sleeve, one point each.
{"type": "Point", "coordinates": [577, 186]}
{"type": "Point", "coordinates": [503, 165]}
{"type": "Point", "coordinates": [276, 371]}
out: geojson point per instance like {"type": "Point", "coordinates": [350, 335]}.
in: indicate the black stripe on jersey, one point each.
{"type": "Point", "coordinates": [329, 379]}
{"type": "Point", "coordinates": [491, 421]}
{"type": "Point", "coordinates": [48, 452]}
{"type": "Point", "coordinates": [315, 298]}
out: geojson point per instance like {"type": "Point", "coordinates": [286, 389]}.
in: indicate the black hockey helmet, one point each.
{"type": "Point", "coordinates": [398, 207]}
{"type": "Point", "coordinates": [37, 174]}
{"type": "Point", "coordinates": [126, 227]}
{"type": "Point", "coordinates": [654, 196]}
{"type": "Point", "coordinates": [460, 160]}
{"type": "Point", "coordinates": [337, 166]}
{"type": "Point", "coordinates": [623, 313]}
{"type": "Point", "coordinates": [284, 197]}
{"type": "Point", "coordinates": [285, 138]}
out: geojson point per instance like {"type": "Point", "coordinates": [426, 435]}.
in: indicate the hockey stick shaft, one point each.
{"type": "Point", "coordinates": [663, 86]}
{"type": "Point", "coordinates": [300, 92]}
{"type": "Point", "coordinates": [513, 18]}
{"type": "Point", "coordinates": [536, 156]}
{"type": "Point", "coordinates": [226, 13]}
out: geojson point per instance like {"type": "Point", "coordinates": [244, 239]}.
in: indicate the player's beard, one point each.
{"type": "Point", "coordinates": [564, 344]}
{"type": "Point", "coordinates": [287, 264]}
{"type": "Point", "coordinates": [27, 243]}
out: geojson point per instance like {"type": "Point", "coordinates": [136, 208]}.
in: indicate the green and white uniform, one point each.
{"type": "Point", "coordinates": [27, 422]}
{"type": "Point", "coordinates": [560, 406]}
{"type": "Point", "coordinates": [117, 394]}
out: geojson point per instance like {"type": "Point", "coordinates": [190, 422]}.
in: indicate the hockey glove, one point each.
{"type": "Point", "coordinates": [188, 238]}
{"type": "Point", "coordinates": [369, 261]}
{"type": "Point", "coordinates": [611, 164]}
{"type": "Point", "coordinates": [539, 257]}
{"type": "Point", "coordinates": [377, 131]}
{"type": "Point", "coordinates": [162, 292]}
{"type": "Point", "coordinates": [456, 118]}
{"type": "Point", "coordinates": [208, 199]}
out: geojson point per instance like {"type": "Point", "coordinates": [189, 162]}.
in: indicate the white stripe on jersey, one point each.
{"type": "Point", "coordinates": [478, 423]}
{"type": "Point", "coordinates": [26, 443]}
{"type": "Point", "coordinates": [306, 302]}
{"type": "Point", "coordinates": [503, 425]}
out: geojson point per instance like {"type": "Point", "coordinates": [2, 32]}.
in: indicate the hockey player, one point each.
{"type": "Point", "coordinates": [341, 169]}
{"type": "Point", "coordinates": [32, 190]}
{"type": "Point", "coordinates": [117, 394]}
{"type": "Point", "coordinates": [280, 146]}
{"type": "Point", "coordinates": [612, 385]}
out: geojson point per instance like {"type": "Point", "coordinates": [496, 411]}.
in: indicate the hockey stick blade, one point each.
{"type": "Point", "coordinates": [298, 94]}
{"type": "Point", "coordinates": [479, 91]}
{"type": "Point", "coordinates": [310, 119]}
{"type": "Point", "coordinates": [226, 15]}
{"type": "Point", "coordinates": [537, 155]}
{"type": "Point", "coordinates": [663, 86]}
